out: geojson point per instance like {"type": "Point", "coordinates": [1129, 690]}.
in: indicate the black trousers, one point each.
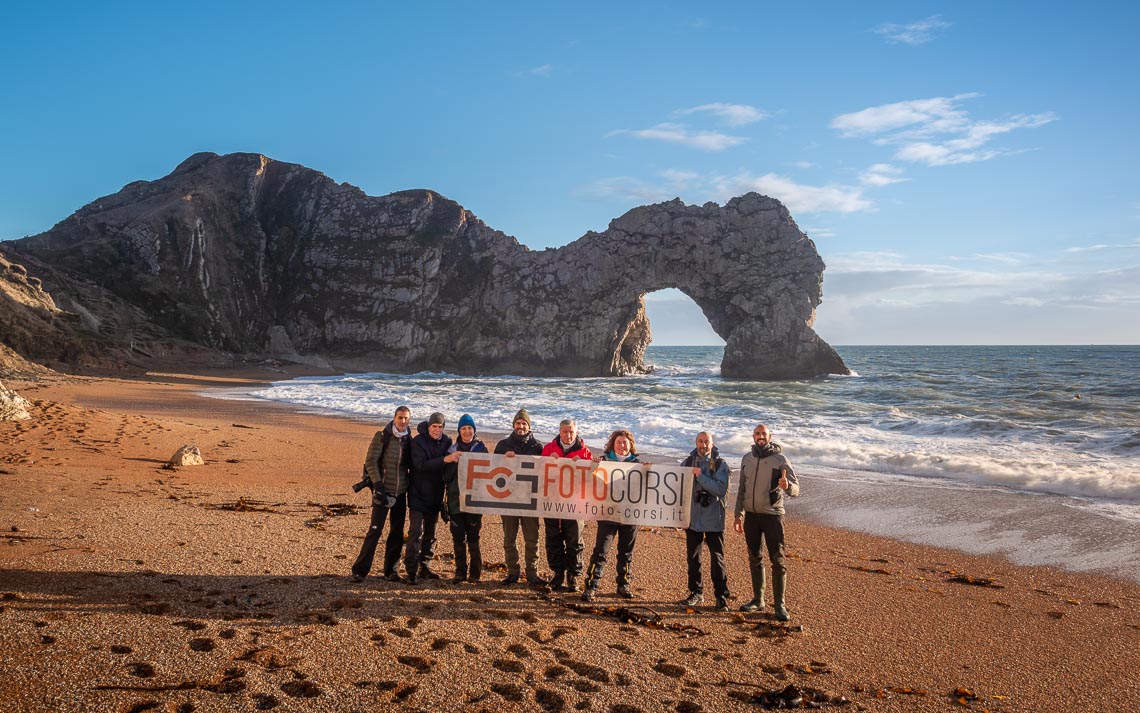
{"type": "Point", "coordinates": [626, 537]}
{"type": "Point", "coordinates": [715, 543]}
{"type": "Point", "coordinates": [465, 530]}
{"type": "Point", "coordinates": [421, 540]}
{"type": "Point", "coordinates": [767, 530]}
{"type": "Point", "coordinates": [564, 546]}
{"type": "Point", "coordinates": [395, 542]}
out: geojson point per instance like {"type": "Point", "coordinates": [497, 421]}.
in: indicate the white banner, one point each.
{"type": "Point", "coordinates": [655, 494]}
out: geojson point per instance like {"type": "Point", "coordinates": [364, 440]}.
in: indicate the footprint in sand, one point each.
{"type": "Point", "coordinates": [555, 671]}
{"type": "Point", "coordinates": [301, 689]}
{"type": "Point", "coordinates": [510, 691]}
{"type": "Point", "coordinates": [419, 663]}
{"type": "Point", "coordinates": [549, 700]}
{"type": "Point", "coordinates": [265, 701]}
{"type": "Point", "coordinates": [669, 669]}
{"type": "Point", "coordinates": [509, 665]}
{"type": "Point", "coordinates": [202, 644]}
{"type": "Point", "coordinates": [190, 625]}
{"type": "Point", "coordinates": [141, 669]}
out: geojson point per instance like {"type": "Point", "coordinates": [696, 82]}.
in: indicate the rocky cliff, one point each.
{"type": "Point", "coordinates": [239, 252]}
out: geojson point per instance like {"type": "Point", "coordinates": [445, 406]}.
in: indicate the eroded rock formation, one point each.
{"type": "Point", "coordinates": [239, 251]}
{"type": "Point", "coordinates": [13, 407]}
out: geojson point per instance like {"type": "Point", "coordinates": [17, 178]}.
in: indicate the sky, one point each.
{"type": "Point", "coordinates": [967, 170]}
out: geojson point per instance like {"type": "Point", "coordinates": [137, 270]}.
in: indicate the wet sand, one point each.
{"type": "Point", "coordinates": [127, 586]}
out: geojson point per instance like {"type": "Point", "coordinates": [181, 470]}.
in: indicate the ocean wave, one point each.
{"type": "Point", "coordinates": [1019, 468]}
{"type": "Point", "coordinates": [969, 418]}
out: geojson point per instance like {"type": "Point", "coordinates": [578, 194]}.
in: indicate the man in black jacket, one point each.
{"type": "Point", "coordinates": [387, 467]}
{"type": "Point", "coordinates": [425, 497]}
{"type": "Point", "coordinates": [521, 442]}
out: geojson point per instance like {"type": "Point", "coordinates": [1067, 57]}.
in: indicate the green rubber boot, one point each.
{"type": "Point", "coordinates": [779, 586]}
{"type": "Point", "coordinates": [758, 584]}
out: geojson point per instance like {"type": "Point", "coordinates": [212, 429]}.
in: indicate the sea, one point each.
{"type": "Point", "coordinates": [1031, 452]}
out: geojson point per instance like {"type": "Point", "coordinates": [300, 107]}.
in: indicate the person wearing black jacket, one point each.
{"type": "Point", "coordinates": [620, 447]}
{"type": "Point", "coordinates": [386, 466]}
{"type": "Point", "coordinates": [430, 454]}
{"type": "Point", "coordinates": [465, 526]}
{"type": "Point", "coordinates": [523, 443]}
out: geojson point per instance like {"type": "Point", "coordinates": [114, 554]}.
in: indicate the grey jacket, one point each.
{"type": "Point", "coordinates": [712, 482]}
{"type": "Point", "coordinates": [757, 482]}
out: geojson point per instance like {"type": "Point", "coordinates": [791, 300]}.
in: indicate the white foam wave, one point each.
{"type": "Point", "coordinates": [903, 433]}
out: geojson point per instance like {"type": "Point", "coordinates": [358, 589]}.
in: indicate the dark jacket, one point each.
{"type": "Point", "coordinates": [451, 473]}
{"type": "Point", "coordinates": [426, 493]}
{"type": "Point", "coordinates": [525, 446]}
{"type": "Point", "coordinates": [387, 464]}
{"type": "Point", "coordinates": [710, 486]}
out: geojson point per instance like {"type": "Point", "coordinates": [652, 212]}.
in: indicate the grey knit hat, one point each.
{"type": "Point", "coordinates": [437, 417]}
{"type": "Point", "coordinates": [522, 415]}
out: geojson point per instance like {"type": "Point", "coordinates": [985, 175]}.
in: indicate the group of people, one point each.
{"type": "Point", "coordinates": [418, 474]}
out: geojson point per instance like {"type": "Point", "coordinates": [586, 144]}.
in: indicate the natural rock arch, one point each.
{"type": "Point", "coordinates": [231, 251]}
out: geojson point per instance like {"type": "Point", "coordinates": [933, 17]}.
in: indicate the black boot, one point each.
{"type": "Point", "coordinates": [476, 572]}
{"type": "Point", "coordinates": [557, 580]}
{"type": "Point", "coordinates": [593, 579]}
{"type": "Point", "coordinates": [460, 565]}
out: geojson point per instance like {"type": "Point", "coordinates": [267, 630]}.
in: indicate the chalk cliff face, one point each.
{"type": "Point", "coordinates": [239, 252]}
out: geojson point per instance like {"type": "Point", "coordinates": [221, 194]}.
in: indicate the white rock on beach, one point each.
{"type": "Point", "coordinates": [13, 407]}
{"type": "Point", "coordinates": [187, 455]}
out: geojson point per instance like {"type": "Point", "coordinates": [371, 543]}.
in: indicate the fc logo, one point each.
{"type": "Point", "coordinates": [500, 487]}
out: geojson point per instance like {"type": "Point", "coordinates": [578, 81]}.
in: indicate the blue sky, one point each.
{"type": "Point", "coordinates": [967, 170]}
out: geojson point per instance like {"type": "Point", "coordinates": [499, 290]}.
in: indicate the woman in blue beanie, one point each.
{"type": "Point", "coordinates": [465, 526]}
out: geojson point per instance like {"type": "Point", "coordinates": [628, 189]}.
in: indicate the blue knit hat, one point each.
{"type": "Point", "coordinates": [466, 420]}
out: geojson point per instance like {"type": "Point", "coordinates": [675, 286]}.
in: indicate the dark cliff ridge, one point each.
{"type": "Point", "coordinates": [239, 251]}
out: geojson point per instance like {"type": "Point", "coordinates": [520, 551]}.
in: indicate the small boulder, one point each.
{"type": "Point", "coordinates": [187, 455]}
{"type": "Point", "coordinates": [13, 407]}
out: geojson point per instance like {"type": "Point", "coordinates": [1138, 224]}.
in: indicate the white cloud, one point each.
{"type": "Point", "coordinates": [938, 113]}
{"type": "Point", "coordinates": [626, 189]}
{"type": "Point", "coordinates": [798, 197]}
{"type": "Point", "coordinates": [698, 188]}
{"type": "Point", "coordinates": [934, 131]}
{"type": "Point", "coordinates": [1004, 258]}
{"type": "Point", "coordinates": [915, 33]}
{"type": "Point", "coordinates": [543, 70]}
{"type": "Point", "coordinates": [860, 279]}
{"type": "Point", "coordinates": [682, 134]}
{"type": "Point", "coordinates": [730, 114]}
{"type": "Point", "coordinates": [679, 177]}
{"type": "Point", "coordinates": [1101, 247]}
{"type": "Point", "coordinates": [803, 164]}
{"type": "Point", "coordinates": [816, 232]}
{"type": "Point", "coordinates": [881, 174]}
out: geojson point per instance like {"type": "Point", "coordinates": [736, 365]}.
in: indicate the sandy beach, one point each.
{"type": "Point", "coordinates": [125, 586]}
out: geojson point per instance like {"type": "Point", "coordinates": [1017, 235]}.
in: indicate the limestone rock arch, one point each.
{"type": "Point", "coordinates": [239, 251]}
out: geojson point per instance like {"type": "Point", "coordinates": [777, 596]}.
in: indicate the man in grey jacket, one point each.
{"type": "Point", "coordinates": [706, 521]}
{"type": "Point", "coordinates": [766, 475]}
